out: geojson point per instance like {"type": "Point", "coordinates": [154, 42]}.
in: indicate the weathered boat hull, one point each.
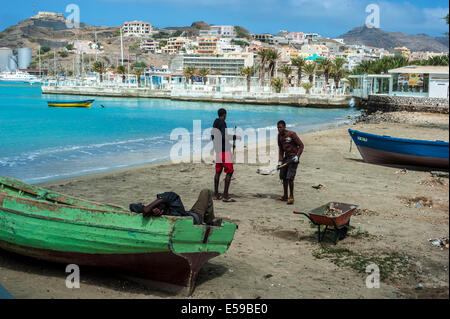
{"type": "Point", "coordinates": [167, 250]}
{"type": "Point", "coordinates": [377, 149]}
{"type": "Point", "coordinates": [150, 267]}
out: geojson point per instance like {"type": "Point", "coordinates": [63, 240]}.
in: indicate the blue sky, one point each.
{"type": "Point", "coordinates": [329, 18]}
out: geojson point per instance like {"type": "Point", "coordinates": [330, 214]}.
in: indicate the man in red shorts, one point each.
{"type": "Point", "coordinates": [224, 161]}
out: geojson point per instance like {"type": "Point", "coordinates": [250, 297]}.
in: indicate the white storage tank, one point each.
{"type": "Point", "coordinates": [12, 63]}
{"type": "Point", "coordinates": [24, 58]}
{"type": "Point", "coordinates": [4, 58]}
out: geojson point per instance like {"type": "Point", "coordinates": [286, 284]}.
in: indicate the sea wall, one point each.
{"type": "Point", "coordinates": [300, 100]}
{"type": "Point", "coordinates": [387, 103]}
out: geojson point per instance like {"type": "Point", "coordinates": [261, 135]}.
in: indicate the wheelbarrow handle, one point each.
{"type": "Point", "coordinates": [303, 213]}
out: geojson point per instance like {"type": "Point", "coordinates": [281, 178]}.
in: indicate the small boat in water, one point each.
{"type": "Point", "coordinates": [86, 103]}
{"type": "Point", "coordinates": [166, 251]}
{"type": "Point", "coordinates": [382, 149]}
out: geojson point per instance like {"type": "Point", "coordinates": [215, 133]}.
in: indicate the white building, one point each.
{"type": "Point", "coordinates": [226, 64]}
{"type": "Point", "coordinates": [409, 81]}
{"type": "Point", "coordinates": [226, 31]}
{"type": "Point", "coordinates": [86, 47]}
{"type": "Point", "coordinates": [150, 45]}
{"type": "Point", "coordinates": [137, 28]}
{"type": "Point", "coordinates": [296, 37]}
{"type": "Point", "coordinates": [420, 81]}
{"type": "Point", "coordinates": [207, 33]}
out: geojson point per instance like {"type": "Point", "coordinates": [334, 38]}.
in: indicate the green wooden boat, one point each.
{"type": "Point", "coordinates": [166, 251]}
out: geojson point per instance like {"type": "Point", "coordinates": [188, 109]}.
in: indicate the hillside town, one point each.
{"type": "Point", "coordinates": [207, 61]}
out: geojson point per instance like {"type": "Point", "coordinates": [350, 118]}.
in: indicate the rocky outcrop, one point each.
{"type": "Point", "coordinates": [386, 103]}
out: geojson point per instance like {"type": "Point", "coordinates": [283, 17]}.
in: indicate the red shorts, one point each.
{"type": "Point", "coordinates": [224, 162]}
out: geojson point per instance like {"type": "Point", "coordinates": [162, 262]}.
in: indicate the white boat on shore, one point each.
{"type": "Point", "coordinates": [19, 76]}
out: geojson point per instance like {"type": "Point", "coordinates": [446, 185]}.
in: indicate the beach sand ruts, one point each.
{"type": "Point", "coordinates": [275, 253]}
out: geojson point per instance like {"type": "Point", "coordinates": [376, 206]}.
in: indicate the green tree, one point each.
{"type": "Point", "coordinates": [299, 62]}
{"type": "Point", "coordinates": [286, 70]}
{"type": "Point", "coordinates": [248, 71]}
{"type": "Point", "coordinates": [338, 71]}
{"type": "Point", "coordinates": [310, 70]}
{"type": "Point", "coordinates": [63, 54]}
{"type": "Point", "coordinates": [263, 54]}
{"type": "Point", "coordinates": [69, 47]}
{"type": "Point", "coordinates": [100, 68]}
{"type": "Point", "coordinates": [277, 84]}
{"type": "Point", "coordinates": [44, 49]}
{"type": "Point", "coordinates": [138, 72]}
{"type": "Point", "coordinates": [307, 87]}
{"type": "Point", "coordinates": [241, 32]}
{"type": "Point", "coordinates": [325, 65]}
{"type": "Point", "coordinates": [189, 72]}
{"type": "Point", "coordinates": [204, 72]}
{"type": "Point", "coordinates": [240, 43]}
{"type": "Point", "coordinates": [121, 70]}
{"type": "Point", "coordinates": [141, 65]}
{"type": "Point", "coordinates": [446, 21]}
{"type": "Point", "coordinates": [272, 58]}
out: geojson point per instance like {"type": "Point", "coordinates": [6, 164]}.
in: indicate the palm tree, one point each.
{"type": "Point", "coordinates": [337, 71]}
{"type": "Point", "coordinates": [138, 72]}
{"type": "Point", "coordinates": [325, 65]}
{"type": "Point", "coordinates": [272, 57]}
{"type": "Point", "coordinates": [121, 70]}
{"type": "Point", "coordinates": [307, 87]}
{"type": "Point", "coordinates": [100, 68]}
{"type": "Point", "coordinates": [248, 72]}
{"type": "Point", "coordinates": [277, 84]}
{"type": "Point", "coordinates": [286, 70]}
{"type": "Point", "coordinates": [189, 73]}
{"type": "Point", "coordinates": [204, 72]}
{"type": "Point", "coordinates": [263, 55]}
{"type": "Point", "coordinates": [299, 62]}
{"type": "Point", "coordinates": [310, 70]}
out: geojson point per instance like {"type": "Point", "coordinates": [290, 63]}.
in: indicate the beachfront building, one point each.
{"type": "Point", "coordinates": [227, 64]}
{"type": "Point", "coordinates": [150, 45]}
{"type": "Point", "coordinates": [137, 28]}
{"type": "Point", "coordinates": [420, 81]}
{"type": "Point", "coordinates": [207, 45]}
{"type": "Point", "coordinates": [225, 31]}
{"type": "Point", "coordinates": [409, 81]}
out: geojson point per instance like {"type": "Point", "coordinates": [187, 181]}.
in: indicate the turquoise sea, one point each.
{"type": "Point", "coordinates": [39, 143]}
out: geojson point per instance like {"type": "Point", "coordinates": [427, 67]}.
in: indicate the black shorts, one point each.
{"type": "Point", "coordinates": [289, 171]}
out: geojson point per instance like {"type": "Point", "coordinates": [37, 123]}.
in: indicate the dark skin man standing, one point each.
{"type": "Point", "coordinates": [290, 149]}
{"type": "Point", "coordinates": [224, 161]}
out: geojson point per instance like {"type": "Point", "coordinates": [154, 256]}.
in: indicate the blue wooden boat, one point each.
{"type": "Point", "coordinates": [382, 149]}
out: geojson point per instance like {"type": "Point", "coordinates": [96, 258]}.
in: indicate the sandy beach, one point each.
{"type": "Point", "coordinates": [275, 254]}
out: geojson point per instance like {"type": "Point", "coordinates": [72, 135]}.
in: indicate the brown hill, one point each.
{"type": "Point", "coordinates": [389, 40]}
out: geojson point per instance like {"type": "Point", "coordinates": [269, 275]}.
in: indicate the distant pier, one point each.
{"type": "Point", "coordinates": [264, 98]}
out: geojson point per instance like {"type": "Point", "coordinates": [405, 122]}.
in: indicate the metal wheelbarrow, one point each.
{"type": "Point", "coordinates": [333, 214]}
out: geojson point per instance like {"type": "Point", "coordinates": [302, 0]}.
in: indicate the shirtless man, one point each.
{"type": "Point", "coordinates": [290, 149]}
